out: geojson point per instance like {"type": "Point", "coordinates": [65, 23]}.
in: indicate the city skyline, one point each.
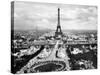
{"type": "Point", "coordinates": [47, 37]}
{"type": "Point", "coordinates": [29, 15]}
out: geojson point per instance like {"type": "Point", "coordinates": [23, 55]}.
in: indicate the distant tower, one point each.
{"type": "Point", "coordinates": [58, 32]}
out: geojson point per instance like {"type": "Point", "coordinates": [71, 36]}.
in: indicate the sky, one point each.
{"type": "Point", "coordinates": [32, 15]}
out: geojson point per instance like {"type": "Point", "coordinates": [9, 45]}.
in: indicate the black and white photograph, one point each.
{"type": "Point", "coordinates": [53, 37]}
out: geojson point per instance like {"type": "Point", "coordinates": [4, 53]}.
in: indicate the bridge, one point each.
{"type": "Point", "coordinates": [67, 42]}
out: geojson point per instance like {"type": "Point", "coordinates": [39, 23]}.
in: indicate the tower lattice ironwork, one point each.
{"type": "Point", "coordinates": [58, 30]}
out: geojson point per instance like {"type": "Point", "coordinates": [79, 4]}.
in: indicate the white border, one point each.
{"type": "Point", "coordinates": [5, 35]}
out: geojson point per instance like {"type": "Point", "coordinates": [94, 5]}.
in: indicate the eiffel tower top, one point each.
{"type": "Point", "coordinates": [59, 16]}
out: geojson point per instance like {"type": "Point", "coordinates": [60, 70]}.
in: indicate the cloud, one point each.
{"type": "Point", "coordinates": [28, 15]}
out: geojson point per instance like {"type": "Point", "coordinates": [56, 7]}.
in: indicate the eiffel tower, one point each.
{"type": "Point", "coordinates": [58, 30]}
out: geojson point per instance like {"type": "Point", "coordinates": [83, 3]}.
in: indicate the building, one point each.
{"type": "Point", "coordinates": [58, 33]}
